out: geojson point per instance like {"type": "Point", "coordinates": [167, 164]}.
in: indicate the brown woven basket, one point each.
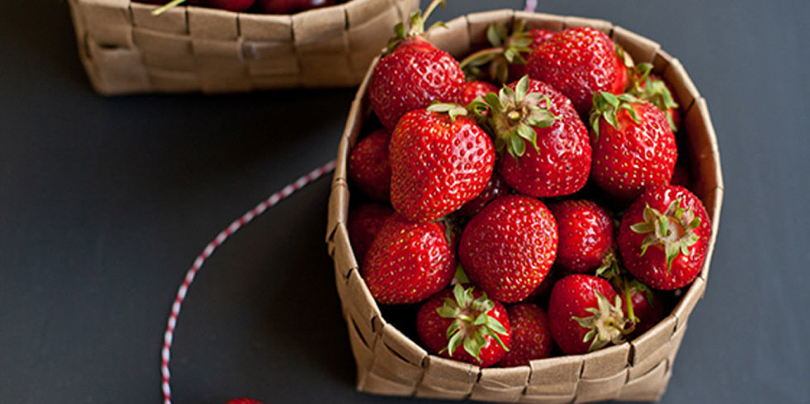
{"type": "Point", "coordinates": [125, 49]}
{"type": "Point", "coordinates": [390, 363]}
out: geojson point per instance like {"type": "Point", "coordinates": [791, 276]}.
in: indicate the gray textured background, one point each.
{"type": "Point", "coordinates": [104, 203]}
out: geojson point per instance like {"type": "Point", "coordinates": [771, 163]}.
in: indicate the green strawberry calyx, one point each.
{"type": "Point", "coordinates": [453, 110]}
{"type": "Point", "coordinates": [506, 49]}
{"type": "Point", "coordinates": [673, 230]}
{"type": "Point", "coordinates": [471, 323]}
{"type": "Point", "coordinates": [607, 105]}
{"type": "Point", "coordinates": [652, 90]}
{"type": "Point", "coordinates": [511, 116]}
{"type": "Point", "coordinates": [624, 283]}
{"type": "Point", "coordinates": [607, 325]}
{"type": "Point", "coordinates": [416, 25]}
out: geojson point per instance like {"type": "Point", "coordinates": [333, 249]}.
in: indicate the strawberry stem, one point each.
{"type": "Point", "coordinates": [160, 10]}
{"type": "Point", "coordinates": [481, 57]}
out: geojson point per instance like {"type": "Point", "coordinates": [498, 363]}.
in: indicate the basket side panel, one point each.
{"type": "Point", "coordinates": [649, 387]}
{"type": "Point", "coordinates": [173, 20]}
{"type": "Point", "coordinates": [479, 22]}
{"type": "Point", "coordinates": [550, 22]}
{"type": "Point", "coordinates": [455, 39]}
{"type": "Point", "coordinates": [212, 24]}
{"type": "Point", "coordinates": [447, 379]}
{"type": "Point", "coordinates": [554, 376]}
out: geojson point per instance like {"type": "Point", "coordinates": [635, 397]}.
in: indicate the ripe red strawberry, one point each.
{"type": "Point", "coordinates": [681, 176]}
{"type": "Point", "coordinates": [408, 262]}
{"type": "Point", "coordinates": [291, 6]}
{"type": "Point", "coordinates": [649, 87]}
{"type": "Point", "coordinates": [579, 62]}
{"type": "Point", "coordinates": [549, 151]}
{"type": "Point", "coordinates": [586, 235]}
{"type": "Point", "coordinates": [537, 36]}
{"type": "Point", "coordinates": [531, 335]}
{"type": "Point", "coordinates": [465, 325]}
{"type": "Point", "coordinates": [439, 162]}
{"type": "Point", "coordinates": [585, 314]}
{"type": "Point", "coordinates": [473, 89]}
{"type": "Point", "coordinates": [508, 248]}
{"type": "Point", "coordinates": [495, 188]}
{"type": "Point", "coordinates": [413, 74]}
{"type": "Point", "coordinates": [664, 236]}
{"type": "Point", "coordinates": [364, 223]}
{"type": "Point", "coordinates": [243, 400]}
{"type": "Point", "coordinates": [230, 5]}
{"type": "Point", "coordinates": [369, 167]}
{"type": "Point", "coordinates": [633, 146]}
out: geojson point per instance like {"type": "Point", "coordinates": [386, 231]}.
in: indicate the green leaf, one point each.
{"type": "Point", "coordinates": [460, 295]}
{"type": "Point", "coordinates": [493, 37]}
{"type": "Point", "coordinates": [610, 99]}
{"type": "Point", "coordinates": [481, 319]}
{"type": "Point", "coordinates": [494, 102]}
{"type": "Point", "coordinates": [495, 325]}
{"type": "Point", "coordinates": [447, 312]}
{"type": "Point", "coordinates": [472, 348]}
{"type": "Point", "coordinates": [499, 341]}
{"type": "Point", "coordinates": [518, 146]}
{"type": "Point", "coordinates": [522, 88]}
{"type": "Point", "coordinates": [454, 342]}
{"type": "Point", "coordinates": [642, 228]}
{"type": "Point", "coordinates": [672, 251]}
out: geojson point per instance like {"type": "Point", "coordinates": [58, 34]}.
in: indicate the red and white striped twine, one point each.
{"type": "Point", "coordinates": [206, 253]}
{"type": "Point", "coordinates": [531, 6]}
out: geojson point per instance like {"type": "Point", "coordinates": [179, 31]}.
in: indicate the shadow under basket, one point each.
{"type": "Point", "coordinates": [390, 363]}
{"type": "Point", "coordinates": [125, 49]}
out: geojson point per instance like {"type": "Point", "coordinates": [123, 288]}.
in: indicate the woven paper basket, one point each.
{"type": "Point", "coordinates": [390, 363]}
{"type": "Point", "coordinates": [125, 49]}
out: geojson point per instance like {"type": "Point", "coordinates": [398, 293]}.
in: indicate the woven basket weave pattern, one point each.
{"type": "Point", "coordinates": [390, 363]}
{"type": "Point", "coordinates": [125, 49]}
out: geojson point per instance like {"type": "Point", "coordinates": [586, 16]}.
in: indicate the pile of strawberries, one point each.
{"type": "Point", "coordinates": [539, 215]}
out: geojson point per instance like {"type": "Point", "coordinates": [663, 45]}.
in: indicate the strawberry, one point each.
{"type": "Point", "coordinates": [549, 147]}
{"type": "Point", "coordinates": [413, 74]}
{"type": "Point", "coordinates": [586, 235]}
{"type": "Point", "coordinates": [531, 335]}
{"type": "Point", "coordinates": [647, 86]}
{"type": "Point", "coordinates": [229, 5]}
{"type": "Point", "coordinates": [681, 175]}
{"type": "Point", "coordinates": [537, 36]}
{"type": "Point", "coordinates": [439, 162]}
{"type": "Point", "coordinates": [369, 167]}
{"type": "Point", "coordinates": [473, 89]}
{"type": "Point", "coordinates": [585, 314]}
{"type": "Point", "coordinates": [664, 236]}
{"type": "Point", "coordinates": [495, 188]}
{"type": "Point", "coordinates": [633, 146]}
{"type": "Point", "coordinates": [365, 221]}
{"type": "Point", "coordinates": [408, 262]}
{"type": "Point", "coordinates": [508, 248]}
{"type": "Point", "coordinates": [243, 400]}
{"type": "Point", "coordinates": [579, 62]}
{"type": "Point", "coordinates": [291, 6]}
{"type": "Point", "coordinates": [465, 325]}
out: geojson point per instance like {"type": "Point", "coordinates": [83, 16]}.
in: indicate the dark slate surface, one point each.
{"type": "Point", "coordinates": [106, 202]}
